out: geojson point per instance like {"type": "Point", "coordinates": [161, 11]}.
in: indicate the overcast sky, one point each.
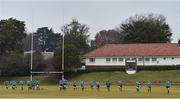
{"type": "Point", "coordinates": [97, 14]}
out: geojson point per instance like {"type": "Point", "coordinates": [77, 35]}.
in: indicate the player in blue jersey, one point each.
{"type": "Point", "coordinates": [30, 85]}
{"type": "Point", "coordinates": [13, 84]}
{"type": "Point", "coordinates": [6, 83]}
{"type": "Point", "coordinates": [82, 83]}
{"type": "Point", "coordinates": [61, 84]}
{"type": "Point", "coordinates": [168, 85]}
{"type": "Point", "coordinates": [149, 85]}
{"type": "Point", "coordinates": [21, 83]}
{"type": "Point", "coordinates": [120, 84]}
{"type": "Point", "coordinates": [108, 85]}
{"type": "Point", "coordinates": [64, 84]}
{"type": "Point", "coordinates": [97, 85]}
{"type": "Point", "coordinates": [138, 85]}
{"type": "Point", "coordinates": [74, 83]}
{"type": "Point", "coordinates": [37, 84]}
{"type": "Point", "coordinates": [91, 83]}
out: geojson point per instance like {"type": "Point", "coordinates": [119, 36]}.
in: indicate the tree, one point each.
{"type": "Point", "coordinates": [150, 28]}
{"type": "Point", "coordinates": [77, 35]}
{"type": "Point", "coordinates": [47, 39]}
{"type": "Point", "coordinates": [27, 43]}
{"type": "Point", "coordinates": [71, 58]}
{"type": "Point", "coordinates": [106, 37]}
{"type": "Point", "coordinates": [12, 32]}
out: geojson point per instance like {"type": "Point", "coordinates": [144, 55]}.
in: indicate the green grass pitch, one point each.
{"type": "Point", "coordinates": [52, 91]}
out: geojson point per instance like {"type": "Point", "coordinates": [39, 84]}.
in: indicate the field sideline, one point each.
{"type": "Point", "coordinates": [53, 91]}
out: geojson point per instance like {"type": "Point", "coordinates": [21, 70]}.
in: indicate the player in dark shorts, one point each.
{"type": "Point", "coordinates": [82, 83]}
{"type": "Point", "coordinates": [120, 84]}
{"type": "Point", "coordinates": [21, 83]}
{"type": "Point", "coordinates": [138, 86]}
{"type": "Point", "coordinates": [13, 84]}
{"type": "Point", "coordinates": [6, 83]}
{"type": "Point", "coordinates": [61, 84]}
{"type": "Point", "coordinates": [97, 85]}
{"type": "Point", "coordinates": [64, 84]}
{"type": "Point", "coordinates": [74, 84]}
{"type": "Point", "coordinates": [30, 84]}
{"type": "Point", "coordinates": [149, 85]}
{"type": "Point", "coordinates": [37, 84]}
{"type": "Point", "coordinates": [91, 83]}
{"type": "Point", "coordinates": [108, 85]}
{"type": "Point", "coordinates": [168, 85]}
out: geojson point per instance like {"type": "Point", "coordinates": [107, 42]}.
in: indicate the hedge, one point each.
{"type": "Point", "coordinates": [139, 68]}
{"type": "Point", "coordinates": [158, 68]}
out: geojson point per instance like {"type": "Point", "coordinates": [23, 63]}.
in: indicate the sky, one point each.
{"type": "Point", "coordinates": [97, 14]}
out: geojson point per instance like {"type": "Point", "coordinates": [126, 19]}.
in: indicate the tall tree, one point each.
{"type": "Point", "coordinates": [71, 58]}
{"type": "Point", "coordinates": [12, 32]}
{"type": "Point", "coordinates": [106, 37]}
{"type": "Point", "coordinates": [150, 28]}
{"type": "Point", "coordinates": [47, 39]}
{"type": "Point", "coordinates": [77, 35]}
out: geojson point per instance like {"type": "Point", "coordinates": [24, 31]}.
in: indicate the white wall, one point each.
{"type": "Point", "coordinates": [101, 61]}
{"type": "Point", "coordinates": [47, 55]}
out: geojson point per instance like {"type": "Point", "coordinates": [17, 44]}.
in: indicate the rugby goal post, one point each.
{"type": "Point", "coordinates": [47, 72]}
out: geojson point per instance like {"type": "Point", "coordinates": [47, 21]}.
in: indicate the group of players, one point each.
{"type": "Point", "coordinates": [34, 85]}
{"type": "Point", "coordinates": [63, 84]}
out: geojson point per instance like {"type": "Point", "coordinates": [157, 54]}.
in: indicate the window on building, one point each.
{"type": "Point", "coordinates": [108, 59]}
{"type": "Point", "coordinates": [154, 59]}
{"type": "Point", "coordinates": [133, 58]}
{"type": "Point", "coordinates": [140, 59]}
{"type": "Point", "coordinates": [91, 59]}
{"type": "Point", "coordinates": [127, 58]}
{"type": "Point", "coordinates": [147, 59]}
{"type": "Point", "coordinates": [114, 59]}
{"type": "Point", "coordinates": [172, 58]}
{"type": "Point", "coordinates": [121, 59]}
{"type": "Point", "coordinates": [164, 58]}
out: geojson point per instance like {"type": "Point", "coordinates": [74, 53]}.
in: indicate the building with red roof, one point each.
{"type": "Point", "coordinates": [115, 55]}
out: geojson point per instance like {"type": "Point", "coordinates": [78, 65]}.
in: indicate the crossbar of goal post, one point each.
{"type": "Point", "coordinates": [50, 72]}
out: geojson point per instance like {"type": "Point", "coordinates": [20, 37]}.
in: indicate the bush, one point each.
{"type": "Point", "coordinates": [139, 68]}
{"type": "Point", "coordinates": [17, 64]}
{"type": "Point", "coordinates": [159, 68]}
{"type": "Point", "coordinates": [12, 65]}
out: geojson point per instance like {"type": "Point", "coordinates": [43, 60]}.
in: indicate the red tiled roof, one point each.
{"type": "Point", "coordinates": [152, 49]}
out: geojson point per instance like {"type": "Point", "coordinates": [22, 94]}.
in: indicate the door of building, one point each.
{"type": "Point", "coordinates": [131, 66]}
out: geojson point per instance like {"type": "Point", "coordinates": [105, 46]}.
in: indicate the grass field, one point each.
{"type": "Point", "coordinates": [143, 76]}
{"type": "Point", "coordinates": [128, 92]}
{"type": "Point", "coordinates": [49, 84]}
{"type": "Point", "coordinates": [173, 75]}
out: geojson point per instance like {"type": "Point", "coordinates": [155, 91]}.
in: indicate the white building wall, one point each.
{"type": "Point", "coordinates": [165, 60]}
{"type": "Point", "coordinates": [102, 61]}
{"type": "Point", "coordinates": [168, 61]}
